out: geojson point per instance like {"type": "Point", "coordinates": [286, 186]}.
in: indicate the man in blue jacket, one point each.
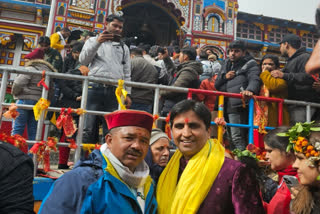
{"type": "Point", "coordinates": [115, 179]}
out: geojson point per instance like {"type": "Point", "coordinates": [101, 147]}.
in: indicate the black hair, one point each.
{"type": "Point", "coordinates": [238, 44]}
{"type": "Point", "coordinates": [190, 52]}
{"type": "Point", "coordinates": [112, 17]}
{"type": "Point", "coordinates": [203, 55]}
{"type": "Point", "coordinates": [65, 29]}
{"type": "Point", "coordinates": [186, 105]}
{"type": "Point", "coordinates": [77, 47]}
{"type": "Point", "coordinates": [136, 51]}
{"type": "Point", "coordinates": [267, 186]}
{"type": "Point", "coordinates": [275, 141]}
{"type": "Point", "coordinates": [274, 58]}
{"type": "Point", "coordinates": [153, 51]}
{"type": "Point", "coordinates": [145, 47]}
{"type": "Point", "coordinates": [176, 49]}
{"type": "Point", "coordinates": [44, 39]}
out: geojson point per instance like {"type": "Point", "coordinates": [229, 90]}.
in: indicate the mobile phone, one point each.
{"type": "Point", "coordinates": [291, 181]}
{"type": "Point", "coordinates": [116, 37]}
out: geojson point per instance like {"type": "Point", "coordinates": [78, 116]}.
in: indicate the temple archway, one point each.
{"type": "Point", "coordinates": [152, 22]}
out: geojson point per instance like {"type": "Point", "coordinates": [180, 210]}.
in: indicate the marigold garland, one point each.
{"type": "Point", "coordinates": [298, 140]}
{"type": "Point", "coordinates": [42, 150]}
{"type": "Point", "coordinates": [15, 140]}
{"type": "Point", "coordinates": [12, 112]}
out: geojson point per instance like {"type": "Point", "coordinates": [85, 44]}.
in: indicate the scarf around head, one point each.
{"type": "Point", "coordinates": [195, 182]}
{"type": "Point", "coordinates": [133, 180]}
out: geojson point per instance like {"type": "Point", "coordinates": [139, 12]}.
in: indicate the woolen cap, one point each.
{"type": "Point", "coordinates": [129, 118]}
{"type": "Point", "coordinates": [156, 134]}
{"type": "Point", "coordinates": [212, 56]}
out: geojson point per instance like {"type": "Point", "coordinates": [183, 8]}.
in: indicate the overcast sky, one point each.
{"type": "Point", "coordinates": [297, 10]}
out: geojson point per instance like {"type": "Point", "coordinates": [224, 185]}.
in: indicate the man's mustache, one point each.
{"type": "Point", "coordinates": [134, 152]}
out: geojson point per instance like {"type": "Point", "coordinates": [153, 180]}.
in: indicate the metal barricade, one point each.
{"type": "Point", "coordinates": [86, 79]}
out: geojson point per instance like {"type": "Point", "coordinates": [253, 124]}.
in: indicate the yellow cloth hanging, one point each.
{"type": "Point", "coordinates": [194, 183]}
{"type": "Point", "coordinates": [121, 94]}
{"type": "Point", "coordinates": [53, 119]}
{"type": "Point", "coordinates": [40, 106]}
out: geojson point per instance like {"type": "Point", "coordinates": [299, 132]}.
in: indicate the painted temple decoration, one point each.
{"type": "Point", "coordinates": [206, 23]}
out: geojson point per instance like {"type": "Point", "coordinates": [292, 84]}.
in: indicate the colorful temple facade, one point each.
{"type": "Point", "coordinates": [207, 23]}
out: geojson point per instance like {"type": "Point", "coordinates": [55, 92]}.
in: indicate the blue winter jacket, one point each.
{"type": "Point", "coordinates": [90, 189]}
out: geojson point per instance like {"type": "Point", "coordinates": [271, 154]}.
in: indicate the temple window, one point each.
{"type": "Point", "coordinates": [103, 4]}
{"type": "Point", "coordinates": [213, 24]}
{"type": "Point", "coordinates": [309, 40]}
{"type": "Point", "coordinates": [61, 11]}
{"type": "Point", "coordinates": [249, 31]}
{"type": "Point", "coordinates": [275, 35]}
{"type": "Point", "coordinates": [100, 18]}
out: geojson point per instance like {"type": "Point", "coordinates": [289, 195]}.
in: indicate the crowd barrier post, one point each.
{"type": "Point", "coordinates": [3, 90]}
{"type": "Point", "coordinates": [280, 113]}
{"type": "Point", "coordinates": [83, 105]}
{"type": "Point", "coordinates": [220, 115]}
{"type": "Point", "coordinates": [308, 113]}
{"type": "Point", "coordinates": [156, 101]}
{"type": "Point", "coordinates": [251, 120]}
{"type": "Point", "coordinates": [189, 96]}
{"type": "Point", "coordinates": [40, 122]}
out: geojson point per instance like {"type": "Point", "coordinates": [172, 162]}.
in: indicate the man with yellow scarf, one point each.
{"type": "Point", "coordinates": [198, 178]}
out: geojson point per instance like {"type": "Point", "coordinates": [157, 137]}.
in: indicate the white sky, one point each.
{"type": "Point", "coordinates": [297, 10]}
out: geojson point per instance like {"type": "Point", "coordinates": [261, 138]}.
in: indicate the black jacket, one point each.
{"type": "Point", "coordinates": [247, 77]}
{"type": "Point", "coordinates": [185, 75]}
{"type": "Point", "coordinates": [16, 180]}
{"type": "Point", "coordinates": [299, 82]}
{"type": "Point", "coordinates": [70, 89]}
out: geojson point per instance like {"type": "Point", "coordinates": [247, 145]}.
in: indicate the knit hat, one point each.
{"type": "Point", "coordinates": [156, 134]}
{"type": "Point", "coordinates": [129, 118]}
{"type": "Point", "coordinates": [212, 56]}
{"type": "Point", "coordinates": [37, 53]}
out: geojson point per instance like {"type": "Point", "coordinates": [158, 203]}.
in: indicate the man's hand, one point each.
{"type": "Point", "coordinates": [128, 102]}
{"type": "Point", "coordinates": [277, 74]}
{"type": "Point", "coordinates": [105, 36]}
{"type": "Point", "coordinates": [246, 94]}
{"type": "Point", "coordinates": [78, 98]}
{"type": "Point", "coordinates": [84, 70]}
{"type": "Point", "coordinates": [230, 75]}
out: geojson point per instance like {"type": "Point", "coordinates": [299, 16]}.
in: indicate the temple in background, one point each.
{"type": "Point", "coordinates": [207, 23]}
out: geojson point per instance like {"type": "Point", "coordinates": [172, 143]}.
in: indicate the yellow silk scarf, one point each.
{"type": "Point", "coordinates": [194, 183]}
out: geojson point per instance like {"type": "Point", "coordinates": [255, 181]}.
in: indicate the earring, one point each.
{"type": "Point", "coordinates": [318, 178]}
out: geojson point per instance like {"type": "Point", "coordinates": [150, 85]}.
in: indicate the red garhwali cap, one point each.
{"type": "Point", "coordinates": [129, 118]}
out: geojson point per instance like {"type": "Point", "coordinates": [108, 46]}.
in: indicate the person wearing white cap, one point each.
{"type": "Point", "coordinates": [158, 154]}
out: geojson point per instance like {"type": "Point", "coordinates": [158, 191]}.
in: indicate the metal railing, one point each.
{"type": "Point", "coordinates": [86, 79]}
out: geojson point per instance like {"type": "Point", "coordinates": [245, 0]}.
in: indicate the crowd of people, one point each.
{"type": "Point", "coordinates": [133, 171]}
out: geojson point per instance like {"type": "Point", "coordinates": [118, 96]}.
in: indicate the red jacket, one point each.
{"type": "Point", "coordinates": [209, 100]}
{"type": "Point", "coordinates": [280, 203]}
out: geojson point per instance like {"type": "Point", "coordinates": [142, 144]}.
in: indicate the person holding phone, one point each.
{"type": "Point", "coordinates": [306, 146]}
{"type": "Point", "coordinates": [280, 161]}
{"type": "Point", "coordinates": [107, 58]}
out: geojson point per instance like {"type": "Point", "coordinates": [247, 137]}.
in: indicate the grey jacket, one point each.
{"type": "Point", "coordinates": [105, 60]}
{"type": "Point", "coordinates": [25, 86]}
{"type": "Point", "coordinates": [143, 71]}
